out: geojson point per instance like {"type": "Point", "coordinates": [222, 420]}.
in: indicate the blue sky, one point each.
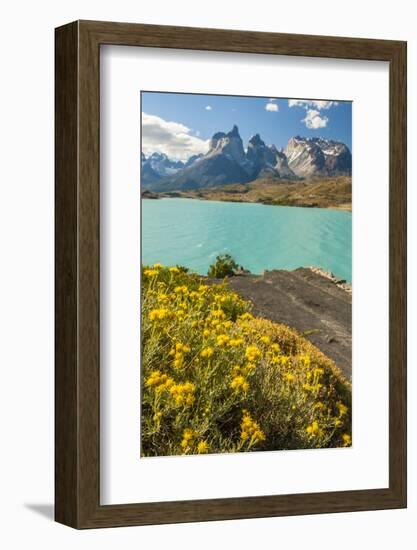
{"type": "Point", "coordinates": [181, 124]}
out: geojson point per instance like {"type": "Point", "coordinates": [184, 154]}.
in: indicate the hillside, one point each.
{"type": "Point", "coordinates": [330, 192]}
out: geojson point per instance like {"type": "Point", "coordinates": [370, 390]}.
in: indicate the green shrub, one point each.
{"type": "Point", "coordinates": [225, 266]}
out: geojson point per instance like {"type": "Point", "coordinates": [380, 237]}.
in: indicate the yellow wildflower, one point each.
{"type": "Point", "coordinates": [181, 290]}
{"type": "Point", "coordinates": [162, 298]}
{"type": "Point", "coordinates": [250, 430]}
{"type": "Point", "coordinates": [182, 347]}
{"type": "Point", "coordinates": [342, 409]}
{"type": "Point", "coordinates": [151, 272]}
{"type": "Point", "coordinates": [235, 342]}
{"type": "Point", "coordinates": [165, 383]}
{"type": "Point", "coordinates": [222, 340]}
{"type": "Point", "coordinates": [207, 352]}
{"type": "Point", "coordinates": [178, 361]}
{"type": "Point", "coordinates": [154, 378]}
{"type": "Point", "coordinates": [188, 438]}
{"type": "Point", "coordinates": [284, 360]}
{"type": "Point", "coordinates": [161, 381]}
{"type": "Point", "coordinates": [174, 270]}
{"type": "Point", "coordinates": [265, 340]}
{"type": "Point", "coordinates": [158, 314]}
{"type": "Point", "coordinates": [246, 317]}
{"type": "Point", "coordinates": [183, 394]}
{"type": "Point", "coordinates": [218, 314]}
{"type": "Point", "coordinates": [252, 353]}
{"type": "Point", "coordinates": [239, 383]}
{"type": "Point", "coordinates": [314, 429]}
{"type": "Point", "coordinates": [289, 377]}
{"type": "Point", "coordinates": [202, 447]}
{"type": "Point", "coordinates": [347, 440]}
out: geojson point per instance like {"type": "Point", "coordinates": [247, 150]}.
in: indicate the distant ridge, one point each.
{"type": "Point", "coordinates": [227, 162]}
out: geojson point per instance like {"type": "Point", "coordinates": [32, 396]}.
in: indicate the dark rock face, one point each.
{"type": "Point", "coordinates": [267, 161]}
{"type": "Point", "coordinates": [259, 155]}
{"type": "Point", "coordinates": [226, 161]}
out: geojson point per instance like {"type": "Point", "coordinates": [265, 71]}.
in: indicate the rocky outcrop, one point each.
{"type": "Point", "coordinates": [313, 304]}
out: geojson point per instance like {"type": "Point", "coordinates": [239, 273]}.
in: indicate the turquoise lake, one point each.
{"type": "Point", "coordinates": [192, 233]}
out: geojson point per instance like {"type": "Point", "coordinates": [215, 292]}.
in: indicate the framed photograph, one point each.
{"type": "Point", "coordinates": [230, 274]}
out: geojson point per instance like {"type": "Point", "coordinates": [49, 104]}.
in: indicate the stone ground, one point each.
{"type": "Point", "coordinates": [306, 301]}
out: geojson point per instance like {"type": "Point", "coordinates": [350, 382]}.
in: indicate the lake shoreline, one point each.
{"type": "Point", "coordinates": [329, 193]}
{"type": "Point", "coordinates": [174, 195]}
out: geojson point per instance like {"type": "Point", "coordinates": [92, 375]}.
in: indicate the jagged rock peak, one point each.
{"type": "Point", "coordinates": [256, 140]}
{"type": "Point", "coordinates": [230, 144]}
{"type": "Point", "coordinates": [234, 132]}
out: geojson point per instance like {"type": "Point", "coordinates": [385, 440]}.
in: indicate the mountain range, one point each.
{"type": "Point", "coordinates": [226, 161]}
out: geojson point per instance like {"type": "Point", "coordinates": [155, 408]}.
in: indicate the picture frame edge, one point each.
{"type": "Point", "coordinates": [77, 381]}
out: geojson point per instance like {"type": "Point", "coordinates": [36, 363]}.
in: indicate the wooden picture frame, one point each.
{"type": "Point", "coordinates": [77, 382]}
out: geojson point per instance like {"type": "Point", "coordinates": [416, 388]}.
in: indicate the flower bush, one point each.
{"type": "Point", "coordinates": [215, 379]}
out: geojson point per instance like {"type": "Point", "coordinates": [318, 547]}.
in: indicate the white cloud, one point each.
{"type": "Point", "coordinates": [273, 107]}
{"type": "Point", "coordinates": [307, 103]}
{"type": "Point", "coordinates": [172, 138]}
{"type": "Point", "coordinates": [314, 119]}
{"type": "Point", "coordinates": [209, 108]}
